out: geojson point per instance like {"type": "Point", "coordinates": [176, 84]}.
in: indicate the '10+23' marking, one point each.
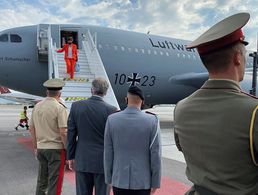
{"type": "Point", "coordinates": [121, 79]}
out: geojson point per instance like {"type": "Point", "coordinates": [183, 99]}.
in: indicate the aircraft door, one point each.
{"type": "Point", "coordinates": [67, 33]}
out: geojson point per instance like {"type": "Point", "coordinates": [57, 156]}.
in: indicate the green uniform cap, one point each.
{"type": "Point", "coordinates": [222, 34]}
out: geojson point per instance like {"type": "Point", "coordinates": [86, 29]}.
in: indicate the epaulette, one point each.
{"type": "Point", "coordinates": [255, 97]}
{"type": "Point", "coordinates": [147, 112]}
{"type": "Point", "coordinates": [116, 111]}
{"type": "Point", "coordinates": [62, 104]}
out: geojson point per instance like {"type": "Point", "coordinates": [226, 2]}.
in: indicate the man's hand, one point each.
{"type": "Point", "coordinates": [36, 154]}
{"type": "Point", "coordinates": [71, 165]}
{"type": "Point", "coordinates": [153, 190]}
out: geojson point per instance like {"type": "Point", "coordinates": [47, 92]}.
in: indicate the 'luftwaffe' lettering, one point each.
{"type": "Point", "coordinates": [170, 45]}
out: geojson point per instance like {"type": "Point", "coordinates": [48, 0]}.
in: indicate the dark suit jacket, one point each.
{"type": "Point", "coordinates": [87, 120]}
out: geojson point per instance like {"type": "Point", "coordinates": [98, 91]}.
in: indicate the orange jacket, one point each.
{"type": "Point", "coordinates": [65, 49]}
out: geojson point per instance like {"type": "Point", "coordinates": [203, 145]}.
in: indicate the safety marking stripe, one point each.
{"type": "Point", "coordinates": [79, 80]}
{"type": "Point", "coordinates": [72, 99]}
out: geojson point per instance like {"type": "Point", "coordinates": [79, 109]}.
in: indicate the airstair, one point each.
{"type": "Point", "coordinates": [91, 66]}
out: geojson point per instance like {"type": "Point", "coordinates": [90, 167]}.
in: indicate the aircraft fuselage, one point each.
{"type": "Point", "coordinates": [152, 62]}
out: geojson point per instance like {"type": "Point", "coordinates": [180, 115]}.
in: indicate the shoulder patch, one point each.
{"type": "Point", "coordinates": [147, 112]}
{"type": "Point", "coordinates": [62, 104]}
{"type": "Point", "coordinates": [249, 95]}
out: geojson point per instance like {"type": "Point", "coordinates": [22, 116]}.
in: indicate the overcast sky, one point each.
{"type": "Point", "coordinates": [184, 19]}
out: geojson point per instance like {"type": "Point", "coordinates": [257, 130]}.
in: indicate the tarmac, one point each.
{"type": "Point", "coordinates": [19, 167]}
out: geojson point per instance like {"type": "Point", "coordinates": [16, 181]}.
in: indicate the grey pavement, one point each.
{"type": "Point", "coordinates": [18, 167]}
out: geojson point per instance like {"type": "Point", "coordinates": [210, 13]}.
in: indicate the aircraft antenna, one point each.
{"type": "Point", "coordinates": [254, 80]}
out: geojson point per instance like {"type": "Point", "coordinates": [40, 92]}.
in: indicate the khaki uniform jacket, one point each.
{"type": "Point", "coordinates": [48, 116]}
{"type": "Point", "coordinates": [212, 130]}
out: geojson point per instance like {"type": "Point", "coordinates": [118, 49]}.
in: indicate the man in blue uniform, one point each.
{"type": "Point", "coordinates": [132, 149]}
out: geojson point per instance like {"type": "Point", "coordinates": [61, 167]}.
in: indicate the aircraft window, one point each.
{"type": "Point", "coordinates": [4, 38]}
{"type": "Point", "coordinates": [178, 55]}
{"type": "Point", "coordinates": [142, 50]}
{"type": "Point", "coordinates": [189, 56]}
{"type": "Point", "coordinates": [155, 52]}
{"type": "Point", "coordinates": [100, 46]}
{"type": "Point", "coordinates": [122, 48]}
{"type": "Point", "coordinates": [161, 53]}
{"type": "Point", "coordinates": [194, 56]}
{"type": "Point", "coordinates": [129, 49]}
{"type": "Point", "coordinates": [167, 53]}
{"type": "Point", "coordinates": [136, 50]}
{"type": "Point", "coordinates": [115, 47]}
{"type": "Point", "coordinates": [183, 55]}
{"type": "Point", "coordinates": [149, 51]}
{"type": "Point", "coordinates": [15, 38]}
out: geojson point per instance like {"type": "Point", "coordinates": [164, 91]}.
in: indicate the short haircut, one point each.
{"type": "Point", "coordinates": [99, 86]}
{"type": "Point", "coordinates": [134, 98]}
{"type": "Point", "coordinates": [53, 93]}
{"type": "Point", "coordinates": [219, 61]}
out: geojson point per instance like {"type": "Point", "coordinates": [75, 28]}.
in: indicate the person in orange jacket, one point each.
{"type": "Point", "coordinates": [70, 56]}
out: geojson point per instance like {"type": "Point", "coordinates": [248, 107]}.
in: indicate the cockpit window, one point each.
{"type": "Point", "coordinates": [4, 38]}
{"type": "Point", "coordinates": [15, 38]}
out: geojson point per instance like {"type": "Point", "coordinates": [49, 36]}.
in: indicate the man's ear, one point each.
{"type": "Point", "coordinates": [142, 104]}
{"type": "Point", "coordinates": [237, 58]}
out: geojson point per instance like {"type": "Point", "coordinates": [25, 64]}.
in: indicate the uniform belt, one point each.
{"type": "Point", "coordinates": [204, 191]}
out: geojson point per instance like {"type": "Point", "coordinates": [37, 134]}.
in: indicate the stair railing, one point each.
{"type": "Point", "coordinates": [90, 48]}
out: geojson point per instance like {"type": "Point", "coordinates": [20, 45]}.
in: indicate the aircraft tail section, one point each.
{"type": "Point", "coordinates": [4, 90]}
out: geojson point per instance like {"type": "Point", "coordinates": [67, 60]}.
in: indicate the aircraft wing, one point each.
{"type": "Point", "coordinates": [195, 80]}
{"type": "Point", "coordinates": [19, 97]}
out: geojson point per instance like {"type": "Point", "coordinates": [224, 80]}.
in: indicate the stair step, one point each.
{"type": "Point", "coordinates": [77, 84]}
{"type": "Point", "coordinates": [63, 74]}
{"type": "Point", "coordinates": [76, 75]}
{"type": "Point", "coordinates": [73, 99]}
{"type": "Point", "coordinates": [77, 80]}
{"type": "Point", "coordinates": [77, 88]}
{"type": "Point", "coordinates": [75, 94]}
{"type": "Point", "coordinates": [86, 68]}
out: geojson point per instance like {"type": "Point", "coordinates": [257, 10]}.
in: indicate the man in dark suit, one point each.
{"type": "Point", "coordinates": [216, 127]}
{"type": "Point", "coordinates": [85, 140]}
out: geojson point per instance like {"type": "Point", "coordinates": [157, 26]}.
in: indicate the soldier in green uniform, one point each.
{"type": "Point", "coordinates": [216, 127]}
{"type": "Point", "coordinates": [48, 128]}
